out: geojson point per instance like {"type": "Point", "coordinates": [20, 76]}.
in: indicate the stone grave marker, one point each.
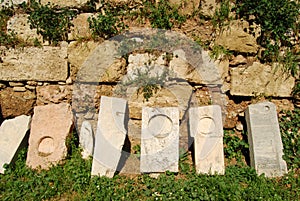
{"type": "Point", "coordinates": [86, 139]}
{"type": "Point", "coordinates": [206, 127]}
{"type": "Point", "coordinates": [160, 139]}
{"type": "Point", "coordinates": [110, 136]}
{"type": "Point", "coordinates": [265, 143]}
{"type": "Point", "coordinates": [50, 127]}
{"type": "Point", "coordinates": [12, 137]}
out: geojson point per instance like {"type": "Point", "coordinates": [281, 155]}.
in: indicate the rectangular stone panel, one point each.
{"type": "Point", "coordinates": [160, 139]}
{"type": "Point", "coordinates": [110, 136]}
{"type": "Point", "coordinates": [206, 127]}
{"type": "Point", "coordinates": [33, 63]}
{"type": "Point", "coordinates": [50, 127]}
{"type": "Point", "coordinates": [266, 149]}
{"type": "Point", "coordinates": [12, 134]}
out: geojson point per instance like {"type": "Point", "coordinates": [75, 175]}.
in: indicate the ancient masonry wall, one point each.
{"type": "Point", "coordinates": [32, 76]}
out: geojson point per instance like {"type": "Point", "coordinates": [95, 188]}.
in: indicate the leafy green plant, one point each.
{"type": "Point", "coordinates": [290, 133]}
{"type": "Point", "coordinates": [146, 83]}
{"type": "Point", "coordinates": [221, 16]}
{"type": "Point", "coordinates": [51, 22]}
{"type": "Point", "coordinates": [107, 24]}
{"type": "Point", "coordinates": [218, 52]}
{"type": "Point", "coordinates": [277, 19]}
{"type": "Point", "coordinates": [6, 38]}
{"type": "Point", "coordinates": [162, 15]}
{"type": "Point", "coordinates": [234, 147]}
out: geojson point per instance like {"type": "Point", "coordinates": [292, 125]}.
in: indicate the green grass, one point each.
{"type": "Point", "coordinates": [72, 180]}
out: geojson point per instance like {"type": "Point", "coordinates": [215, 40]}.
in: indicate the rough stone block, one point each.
{"type": "Point", "coordinates": [206, 127]}
{"type": "Point", "coordinates": [110, 136]}
{"type": "Point", "coordinates": [16, 103]}
{"type": "Point", "coordinates": [86, 139]}
{"type": "Point", "coordinates": [237, 39]}
{"type": "Point", "coordinates": [33, 63]}
{"type": "Point", "coordinates": [20, 26]}
{"type": "Point", "coordinates": [66, 3]}
{"type": "Point", "coordinates": [12, 137]}
{"type": "Point", "coordinates": [160, 139]}
{"type": "Point", "coordinates": [50, 127]}
{"type": "Point", "coordinates": [261, 79]}
{"type": "Point", "coordinates": [81, 27]}
{"type": "Point", "coordinates": [266, 148]}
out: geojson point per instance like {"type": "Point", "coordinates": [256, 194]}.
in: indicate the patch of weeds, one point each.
{"type": "Point", "coordinates": [51, 22]}
{"type": "Point", "coordinates": [137, 150]}
{"type": "Point", "coordinates": [8, 39]}
{"type": "Point", "coordinates": [107, 23]}
{"type": "Point", "coordinates": [290, 133]}
{"type": "Point", "coordinates": [219, 51]}
{"type": "Point", "coordinates": [146, 82]}
{"type": "Point", "coordinates": [277, 19]}
{"type": "Point", "coordinates": [290, 64]}
{"type": "Point", "coordinates": [162, 15]}
{"type": "Point", "coordinates": [235, 147]}
{"type": "Point", "coordinates": [221, 16]}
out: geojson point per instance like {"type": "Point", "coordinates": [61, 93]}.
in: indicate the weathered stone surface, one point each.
{"type": "Point", "coordinates": [6, 3]}
{"type": "Point", "coordinates": [266, 148]}
{"type": "Point", "coordinates": [53, 94]}
{"type": "Point", "coordinates": [66, 3]}
{"type": "Point", "coordinates": [208, 7]}
{"type": "Point", "coordinates": [160, 139]}
{"type": "Point", "coordinates": [110, 136]}
{"type": "Point", "coordinates": [16, 103]}
{"type": "Point", "coordinates": [16, 84]}
{"type": "Point", "coordinates": [236, 39]}
{"type": "Point", "coordinates": [19, 89]}
{"type": "Point", "coordinates": [81, 27]}
{"type": "Point", "coordinates": [12, 137]}
{"type": "Point", "coordinates": [207, 130]}
{"type": "Point", "coordinates": [50, 127]}
{"type": "Point", "coordinates": [20, 26]}
{"type": "Point", "coordinates": [186, 7]}
{"type": "Point", "coordinates": [86, 139]}
{"type": "Point", "coordinates": [32, 63]}
{"type": "Point", "coordinates": [183, 69]}
{"type": "Point", "coordinates": [261, 79]}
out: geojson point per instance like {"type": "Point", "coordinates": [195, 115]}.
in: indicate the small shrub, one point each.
{"type": "Point", "coordinates": [162, 15]}
{"type": "Point", "coordinates": [6, 38]}
{"type": "Point", "coordinates": [51, 22]}
{"type": "Point", "coordinates": [276, 17]}
{"type": "Point", "coordinates": [221, 16]}
{"type": "Point", "coordinates": [107, 24]}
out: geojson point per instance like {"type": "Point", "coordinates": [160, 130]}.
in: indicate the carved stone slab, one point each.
{"type": "Point", "coordinates": [206, 127]}
{"type": "Point", "coordinates": [265, 143]}
{"type": "Point", "coordinates": [50, 127]}
{"type": "Point", "coordinates": [110, 135]}
{"type": "Point", "coordinates": [12, 133]}
{"type": "Point", "coordinates": [160, 139]}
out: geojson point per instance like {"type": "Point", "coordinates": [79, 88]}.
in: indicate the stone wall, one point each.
{"type": "Point", "coordinates": [33, 76]}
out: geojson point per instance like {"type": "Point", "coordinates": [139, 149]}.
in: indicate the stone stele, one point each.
{"type": "Point", "coordinates": [50, 127]}
{"type": "Point", "coordinates": [160, 139]}
{"type": "Point", "coordinates": [206, 127]}
{"type": "Point", "coordinates": [86, 139]}
{"type": "Point", "coordinates": [110, 136]}
{"type": "Point", "coordinates": [12, 137]}
{"type": "Point", "coordinates": [266, 148]}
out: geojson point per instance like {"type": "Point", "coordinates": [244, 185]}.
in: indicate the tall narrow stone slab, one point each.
{"type": "Point", "coordinates": [12, 134]}
{"type": "Point", "coordinates": [86, 139]}
{"type": "Point", "coordinates": [110, 136]}
{"type": "Point", "coordinates": [266, 148]}
{"type": "Point", "coordinates": [160, 139]}
{"type": "Point", "coordinates": [206, 127]}
{"type": "Point", "coordinates": [50, 127]}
